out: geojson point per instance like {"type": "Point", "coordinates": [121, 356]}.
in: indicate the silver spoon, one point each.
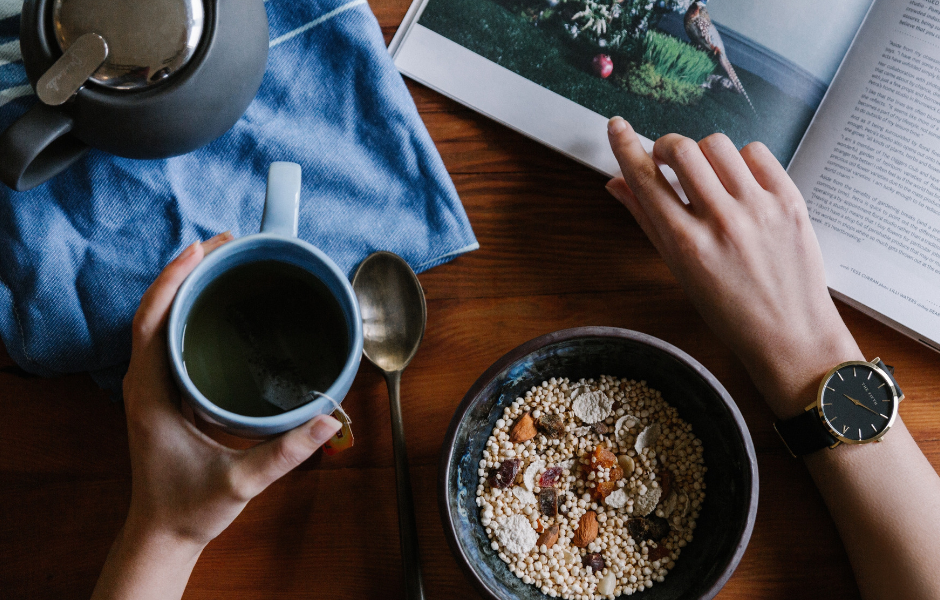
{"type": "Point", "coordinates": [394, 315]}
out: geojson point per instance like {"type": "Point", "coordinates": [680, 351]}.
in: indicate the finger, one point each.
{"type": "Point", "coordinates": [644, 178]}
{"type": "Point", "coordinates": [695, 173]}
{"type": "Point", "coordinates": [729, 166]}
{"type": "Point", "coordinates": [156, 301]}
{"type": "Point", "coordinates": [619, 189]}
{"type": "Point", "coordinates": [766, 169]}
{"type": "Point", "coordinates": [264, 464]}
{"type": "Point", "coordinates": [214, 242]}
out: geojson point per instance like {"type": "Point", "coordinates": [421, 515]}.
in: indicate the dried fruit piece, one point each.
{"type": "Point", "coordinates": [603, 489]}
{"type": "Point", "coordinates": [658, 553]}
{"type": "Point", "coordinates": [659, 528]}
{"type": "Point", "coordinates": [553, 426]}
{"type": "Point", "coordinates": [505, 475]}
{"type": "Point", "coordinates": [615, 474]}
{"type": "Point", "coordinates": [616, 499]}
{"type": "Point", "coordinates": [607, 585]}
{"type": "Point", "coordinates": [599, 428]}
{"type": "Point", "coordinates": [592, 406]}
{"type": "Point", "coordinates": [548, 537]}
{"type": "Point", "coordinates": [627, 464]}
{"type": "Point", "coordinates": [587, 530]}
{"type": "Point", "coordinates": [665, 481]}
{"type": "Point", "coordinates": [528, 478]}
{"type": "Point", "coordinates": [593, 560]}
{"type": "Point", "coordinates": [652, 528]}
{"type": "Point", "coordinates": [647, 437]}
{"type": "Point", "coordinates": [548, 502]}
{"type": "Point", "coordinates": [602, 458]}
{"type": "Point", "coordinates": [523, 430]}
{"type": "Point", "coordinates": [550, 477]}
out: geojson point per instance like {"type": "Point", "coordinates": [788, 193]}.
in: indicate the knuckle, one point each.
{"type": "Point", "coordinates": [644, 177]}
{"type": "Point", "coordinates": [677, 147]}
{"type": "Point", "coordinates": [715, 141]}
{"type": "Point", "coordinates": [755, 149]}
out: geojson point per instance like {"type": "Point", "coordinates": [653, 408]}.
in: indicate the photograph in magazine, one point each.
{"type": "Point", "coordinates": [753, 70]}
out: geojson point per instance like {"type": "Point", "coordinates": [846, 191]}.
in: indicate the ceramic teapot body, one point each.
{"type": "Point", "coordinates": [187, 110]}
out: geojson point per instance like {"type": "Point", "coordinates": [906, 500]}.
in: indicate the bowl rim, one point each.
{"type": "Point", "coordinates": [447, 516]}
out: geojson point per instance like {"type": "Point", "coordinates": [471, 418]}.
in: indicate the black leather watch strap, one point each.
{"type": "Point", "coordinates": [804, 434]}
{"type": "Point", "coordinates": [889, 370]}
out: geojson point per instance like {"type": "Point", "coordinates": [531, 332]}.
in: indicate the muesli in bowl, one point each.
{"type": "Point", "coordinates": [590, 489]}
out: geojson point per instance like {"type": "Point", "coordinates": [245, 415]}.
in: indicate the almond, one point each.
{"type": "Point", "coordinates": [587, 530]}
{"type": "Point", "coordinates": [523, 430]}
{"type": "Point", "coordinates": [548, 537]}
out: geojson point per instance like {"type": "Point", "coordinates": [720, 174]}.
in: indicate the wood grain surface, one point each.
{"type": "Point", "coordinates": [556, 252]}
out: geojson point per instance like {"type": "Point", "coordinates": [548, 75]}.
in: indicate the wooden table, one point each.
{"type": "Point", "coordinates": [556, 252]}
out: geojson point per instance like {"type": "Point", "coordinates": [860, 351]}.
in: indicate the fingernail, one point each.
{"type": "Point", "coordinates": [324, 428]}
{"type": "Point", "coordinates": [225, 235]}
{"type": "Point", "coordinates": [188, 252]}
{"type": "Point", "coordinates": [616, 126]}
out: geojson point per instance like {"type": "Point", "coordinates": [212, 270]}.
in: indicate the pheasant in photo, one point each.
{"type": "Point", "coordinates": [702, 32]}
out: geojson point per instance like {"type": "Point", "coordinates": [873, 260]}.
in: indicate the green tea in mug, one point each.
{"type": "Point", "coordinates": [263, 338]}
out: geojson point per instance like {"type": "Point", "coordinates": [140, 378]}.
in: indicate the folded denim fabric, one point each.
{"type": "Point", "coordinates": [77, 253]}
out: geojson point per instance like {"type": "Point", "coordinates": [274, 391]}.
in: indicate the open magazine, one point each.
{"type": "Point", "coordinates": [846, 93]}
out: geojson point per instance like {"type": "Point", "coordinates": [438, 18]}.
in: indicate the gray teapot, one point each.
{"type": "Point", "coordinates": [137, 78]}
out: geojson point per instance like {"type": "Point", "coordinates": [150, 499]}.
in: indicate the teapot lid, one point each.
{"type": "Point", "coordinates": [147, 40]}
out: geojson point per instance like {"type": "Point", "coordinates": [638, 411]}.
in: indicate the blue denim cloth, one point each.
{"type": "Point", "coordinates": [77, 253]}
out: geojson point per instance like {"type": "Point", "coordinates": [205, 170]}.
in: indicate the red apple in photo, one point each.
{"type": "Point", "coordinates": [602, 65]}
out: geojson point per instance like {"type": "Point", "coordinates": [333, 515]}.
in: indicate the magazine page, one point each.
{"type": "Point", "coordinates": [556, 70]}
{"type": "Point", "coordinates": [869, 169]}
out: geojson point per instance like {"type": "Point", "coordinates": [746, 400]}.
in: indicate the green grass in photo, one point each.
{"type": "Point", "coordinates": [676, 60]}
{"type": "Point", "coordinates": [646, 80]}
{"type": "Point", "coordinates": [530, 47]}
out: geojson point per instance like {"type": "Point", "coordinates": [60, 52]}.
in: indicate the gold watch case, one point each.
{"type": "Point", "coordinates": [817, 405]}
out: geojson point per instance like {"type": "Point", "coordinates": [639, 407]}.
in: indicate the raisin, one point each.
{"type": "Point", "coordinates": [658, 553]}
{"type": "Point", "coordinates": [594, 560]}
{"type": "Point", "coordinates": [659, 528]}
{"type": "Point", "coordinates": [548, 502]}
{"type": "Point", "coordinates": [550, 477]}
{"type": "Point", "coordinates": [652, 528]}
{"type": "Point", "coordinates": [602, 458]}
{"type": "Point", "coordinates": [600, 428]}
{"type": "Point", "coordinates": [638, 528]}
{"type": "Point", "coordinates": [553, 426]}
{"type": "Point", "coordinates": [505, 475]}
{"type": "Point", "coordinates": [665, 482]}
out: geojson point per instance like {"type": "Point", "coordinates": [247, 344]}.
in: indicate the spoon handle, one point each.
{"type": "Point", "coordinates": [407, 528]}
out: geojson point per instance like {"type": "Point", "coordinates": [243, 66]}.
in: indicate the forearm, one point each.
{"type": "Point", "coordinates": [885, 501]}
{"type": "Point", "coordinates": [146, 566]}
{"type": "Point", "coordinates": [884, 497]}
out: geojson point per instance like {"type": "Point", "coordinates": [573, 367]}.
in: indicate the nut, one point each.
{"type": "Point", "coordinates": [548, 537]}
{"type": "Point", "coordinates": [523, 430]}
{"type": "Point", "coordinates": [587, 530]}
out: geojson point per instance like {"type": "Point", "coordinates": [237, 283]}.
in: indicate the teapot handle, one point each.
{"type": "Point", "coordinates": [37, 147]}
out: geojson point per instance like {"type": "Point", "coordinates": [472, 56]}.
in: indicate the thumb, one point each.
{"type": "Point", "coordinates": [267, 462]}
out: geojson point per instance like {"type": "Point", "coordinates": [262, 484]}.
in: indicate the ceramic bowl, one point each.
{"type": "Point", "coordinates": [727, 515]}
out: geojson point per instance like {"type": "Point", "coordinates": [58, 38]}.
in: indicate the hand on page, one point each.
{"type": "Point", "coordinates": [745, 252]}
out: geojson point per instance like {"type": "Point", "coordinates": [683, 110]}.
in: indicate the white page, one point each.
{"type": "Point", "coordinates": [869, 168]}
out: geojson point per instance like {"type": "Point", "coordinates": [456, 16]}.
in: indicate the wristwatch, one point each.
{"type": "Point", "coordinates": [857, 403]}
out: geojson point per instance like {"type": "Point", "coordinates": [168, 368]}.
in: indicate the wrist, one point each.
{"type": "Point", "coordinates": [790, 380]}
{"type": "Point", "coordinates": [169, 546]}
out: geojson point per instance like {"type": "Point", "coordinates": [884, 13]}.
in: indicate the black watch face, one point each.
{"type": "Point", "coordinates": [858, 403]}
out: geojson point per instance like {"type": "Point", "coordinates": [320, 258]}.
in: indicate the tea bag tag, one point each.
{"type": "Point", "coordinates": [343, 440]}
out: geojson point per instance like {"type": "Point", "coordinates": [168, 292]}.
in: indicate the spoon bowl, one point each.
{"type": "Point", "coordinates": [394, 312]}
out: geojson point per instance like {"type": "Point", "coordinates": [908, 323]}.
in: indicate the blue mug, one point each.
{"type": "Point", "coordinates": [277, 241]}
